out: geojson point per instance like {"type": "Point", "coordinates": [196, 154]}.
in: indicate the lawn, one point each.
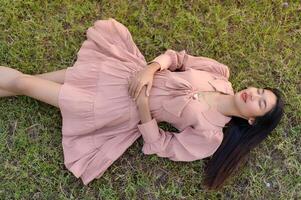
{"type": "Point", "coordinates": [260, 41]}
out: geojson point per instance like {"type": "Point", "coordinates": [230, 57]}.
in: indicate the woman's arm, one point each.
{"type": "Point", "coordinates": [143, 106]}
{"type": "Point", "coordinates": [187, 145]}
{"type": "Point", "coordinates": [154, 66]}
{"type": "Point", "coordinates": [174, 60]}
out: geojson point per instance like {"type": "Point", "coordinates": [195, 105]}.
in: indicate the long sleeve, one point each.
{"type": "Point", "coordinates": [174, 60]}
{"type": "Point", "coordinates": [188, 145]}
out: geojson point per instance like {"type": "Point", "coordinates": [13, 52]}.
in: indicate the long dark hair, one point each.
{"type": "Point", "coordinates": [239, 139]}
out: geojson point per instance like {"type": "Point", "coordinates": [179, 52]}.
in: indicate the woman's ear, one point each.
{"type": "Point", "coordinates": [251, 120]}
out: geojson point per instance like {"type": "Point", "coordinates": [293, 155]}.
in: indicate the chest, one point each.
{"type": "Point", "coordinates": [188, 95]}
{"type": "Point", "coordinates": [201, 80]}
{"type": "Point", "coordinates": [210, 98]}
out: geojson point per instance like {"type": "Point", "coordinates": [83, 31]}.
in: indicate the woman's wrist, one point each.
{"type": "Point", "coordinates": [153, 67]}
{"type": "Point", "coordinates": [142, 103]}
{"type": "Point", "coordinates": [144, 112]}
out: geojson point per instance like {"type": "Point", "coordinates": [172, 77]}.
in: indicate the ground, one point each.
{"type": "Point", "coordinates": [259, 41]}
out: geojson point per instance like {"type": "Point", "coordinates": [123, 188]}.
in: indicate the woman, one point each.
{"type": "Point", "coordinates": [111, 96]}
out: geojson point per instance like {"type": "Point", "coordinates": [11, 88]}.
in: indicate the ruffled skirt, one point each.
{"type": "Point", "coordinates": [99, 117]}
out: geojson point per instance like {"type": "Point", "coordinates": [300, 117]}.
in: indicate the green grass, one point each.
{"type": "Point", "coordinates": [260, 42]}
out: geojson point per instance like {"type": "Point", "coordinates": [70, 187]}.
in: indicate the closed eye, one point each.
{"type": "Point", "coordinates": [262, 101]}
{"type": "Point", "coordinates": [260, 91]}
{"type": "Point", "coordinates": [260, 104]}
{"type": "Point", "coordinates": [265, 104]}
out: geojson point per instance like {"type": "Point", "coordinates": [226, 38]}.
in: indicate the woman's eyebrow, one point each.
{"type": "Point", "coordinates": [265, 102]}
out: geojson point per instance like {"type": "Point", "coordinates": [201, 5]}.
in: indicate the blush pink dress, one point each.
{"type": "Point", "coordinates": [100, 119]}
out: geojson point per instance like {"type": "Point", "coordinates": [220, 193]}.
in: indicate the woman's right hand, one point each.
{"type": "Point", "coordinates": [142, 78]}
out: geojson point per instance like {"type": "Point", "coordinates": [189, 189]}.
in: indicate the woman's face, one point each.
{"type": "Point", "coordinates": [254, 102]}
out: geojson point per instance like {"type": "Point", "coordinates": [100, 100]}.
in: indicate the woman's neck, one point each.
{"type": "Point", "coordinates": [225, 105]}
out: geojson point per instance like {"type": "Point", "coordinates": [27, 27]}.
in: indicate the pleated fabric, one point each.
{"type": "Point", "coordinates": [99, 117]}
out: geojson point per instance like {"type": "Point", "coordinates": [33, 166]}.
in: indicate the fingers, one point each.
{"type": "Point", "coordinates": [149, 86]}
{"type": "Point", "coordinates": [132, 84]}
{"type": "Point", "coordinates": [135, 88]}
{"type": "Point", "coordinates": [136, 84]}
{"type": "Point", "coordinates": [132, 87]}
{"type": "Point", "coordinates": [137, 91]}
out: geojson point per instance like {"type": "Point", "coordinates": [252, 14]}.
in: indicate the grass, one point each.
{"type": "Point", "coordinates": [259, 41]}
